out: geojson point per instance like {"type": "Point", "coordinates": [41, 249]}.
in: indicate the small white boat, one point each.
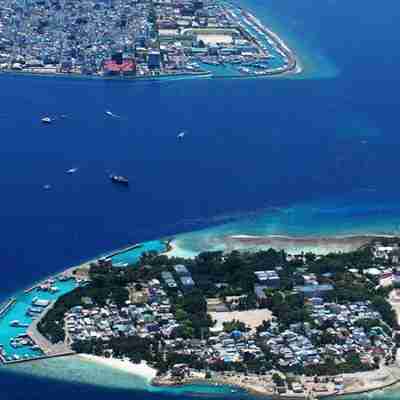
{"type": "Point", "coordinates": [46, 120]}
{"type": "Point", "coordinates": [181, 135]}
{"type": "Point", "coordinates": [47, 187]}
{"type": "Point", "coordinates": [72, 170]}
{"type": "Point", "coordinates": [111, 114]}
{"type": "Point", "coordinates": [14, 323]}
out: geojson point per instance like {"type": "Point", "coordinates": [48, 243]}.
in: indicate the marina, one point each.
{"type": "Point", "coordinates": [15, 342]}
{"type": "Point", "coordinates": [20, 341]}
{"type": "Point", "coordinates": [162, 43]}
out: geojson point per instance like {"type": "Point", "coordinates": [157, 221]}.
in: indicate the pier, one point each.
{"type": "Point", "coordinates": [123, 250]}
{"type": "Point", "coordinates": [49, 349]}
{"type": "Point", "coordinates": [45, 357]}
{"type": "Point", "coordinates": [7, 306]}
{"type": "Point", "coordinates": [281, 47]}
{"type": "Point", "coordinates": [31, 289]}
{"type": "Point", "coordinates": [16, 321]}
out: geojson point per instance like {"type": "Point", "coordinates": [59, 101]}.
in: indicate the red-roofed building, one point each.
{"type": "Point", "coordinates": [127, 67]}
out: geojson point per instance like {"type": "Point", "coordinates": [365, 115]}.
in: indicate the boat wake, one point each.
{"type": "Point", "coordinates": [111, 114]}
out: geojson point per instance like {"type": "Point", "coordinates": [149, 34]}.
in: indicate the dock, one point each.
{"type": "Point", "coordinates": [31, 289]}
{"type": "Point", "coordinates": [44, 357]}
{"type": "Point", "coordinates": [49, 349]}
{"type": "Point", "coordinates": [123, 250]}
{"type": "Point", "coordinates": [7, 306]}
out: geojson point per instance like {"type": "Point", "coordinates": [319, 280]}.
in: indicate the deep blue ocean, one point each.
{"type": "Point", "coordinates": [328, 140]}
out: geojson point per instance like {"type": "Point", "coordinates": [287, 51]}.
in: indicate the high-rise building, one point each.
{"type": "Point", "coordinates": [154, 60]}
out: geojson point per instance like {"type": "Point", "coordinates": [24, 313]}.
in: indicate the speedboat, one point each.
{"type": "Point", "coordinates": [119, 179]}
{"type": "Point", "coordinates": [72, 170]}
{"type": "Point", "coordinates": [181, 135]}
{"type": "Point", "coordinates": [46, 120]}
{"type": "Point", "coordinates": [111, 114]}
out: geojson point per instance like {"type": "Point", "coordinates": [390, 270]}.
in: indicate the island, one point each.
{"type": "Point", "coordinates": [272, 323]}
{"type": "Point", "coordinates": [139, 39]}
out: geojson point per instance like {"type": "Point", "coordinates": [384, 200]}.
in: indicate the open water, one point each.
{"type": "Point", "coordinates": [322, 149]}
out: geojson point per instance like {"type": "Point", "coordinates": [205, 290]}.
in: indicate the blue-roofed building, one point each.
{"type": "Point", "coordinates": [187, 281]}
{"type": "Point", "coordinates": [181, 270]}
{"type": "Point", "coordinates": [236, 334]}
{"type": "Point", "coordinates": [318, 290]}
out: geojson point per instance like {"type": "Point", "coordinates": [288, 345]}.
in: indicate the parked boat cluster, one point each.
{"type": "Point", "coordinates": [16, 341]}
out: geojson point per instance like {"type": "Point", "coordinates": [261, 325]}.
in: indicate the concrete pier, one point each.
{"type": "Point", "coordinates": [48, 348]}
{"type": "Point", "coordinates": [7, 306]}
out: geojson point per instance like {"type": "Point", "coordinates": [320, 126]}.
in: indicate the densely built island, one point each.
{"type": "Point", "coordinates": [266, 321]}
{"type": "Point", "coordinates": [138, 38]}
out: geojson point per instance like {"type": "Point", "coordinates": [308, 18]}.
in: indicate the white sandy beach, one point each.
{"type": "Point", "coordinates": [142, 370]}
{"type": "Point", "coordinates": [177, 251]}
{"type": "Point", "coordinates": [291, 244]}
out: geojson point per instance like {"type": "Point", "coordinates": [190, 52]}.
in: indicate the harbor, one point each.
{"type": "Point", "coordinates": [156, 40]}
{"type": "Point", "coordinates": [20, 341]}
{"type": "Point", "coordinates": [130, 255]}
{"type": "Point", "coordinates": [17, 343]}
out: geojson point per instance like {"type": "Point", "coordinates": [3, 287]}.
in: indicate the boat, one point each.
{"type": "Point", "coordinates": [14, 323]}
{"type": "Point", "coordinates": [181, 135]}
{"type": "Point", "coordinates": [119, 179]}
{"type": "Point", "coordinates": [111, 114]}
{"type": "Point", "coordinates": [71, 170]}
{"type": "Point", "coordinates": [46, 120]}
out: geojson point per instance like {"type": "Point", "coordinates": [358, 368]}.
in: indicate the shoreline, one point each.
{"type": "Point", "coordinates": [362, 382]}
{"type": "Point", "coordinates": [142, 370]}
{"type": "Point", "coordinates": [319, 244]}
{"type": "Point", "coordinates": [292, 66]}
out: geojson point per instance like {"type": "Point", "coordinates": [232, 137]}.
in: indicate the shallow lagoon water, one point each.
{"type": "Point", "coordinates": [133, 255]}
{"type": "Point", "coordinates": [74, 369]}
{"type": "Point", "coordinates": [17, 312]}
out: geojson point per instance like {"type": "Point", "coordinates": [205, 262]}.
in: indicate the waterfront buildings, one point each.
{"type": "Point", "coordinates": [121, 38]}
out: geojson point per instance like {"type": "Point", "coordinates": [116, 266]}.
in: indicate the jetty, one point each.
{"type": "Point", "coordinates": [49, 349]}
{"type": "Point", "coordinates": [7, 306]}
{"type": "Point", "coordinates": [123, 250]}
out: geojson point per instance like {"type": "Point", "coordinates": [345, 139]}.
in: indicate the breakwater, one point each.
{"type": "Point", "coordinates": [31, 289]}
{"type": "Point", "coordinates": [7, 306]}
{"type": "Point", "coordinates": [44, 357]}
{"type": "Point", "coordinates": [123, 250]}
{"type": "Point", "coordinates": [280, 45]}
